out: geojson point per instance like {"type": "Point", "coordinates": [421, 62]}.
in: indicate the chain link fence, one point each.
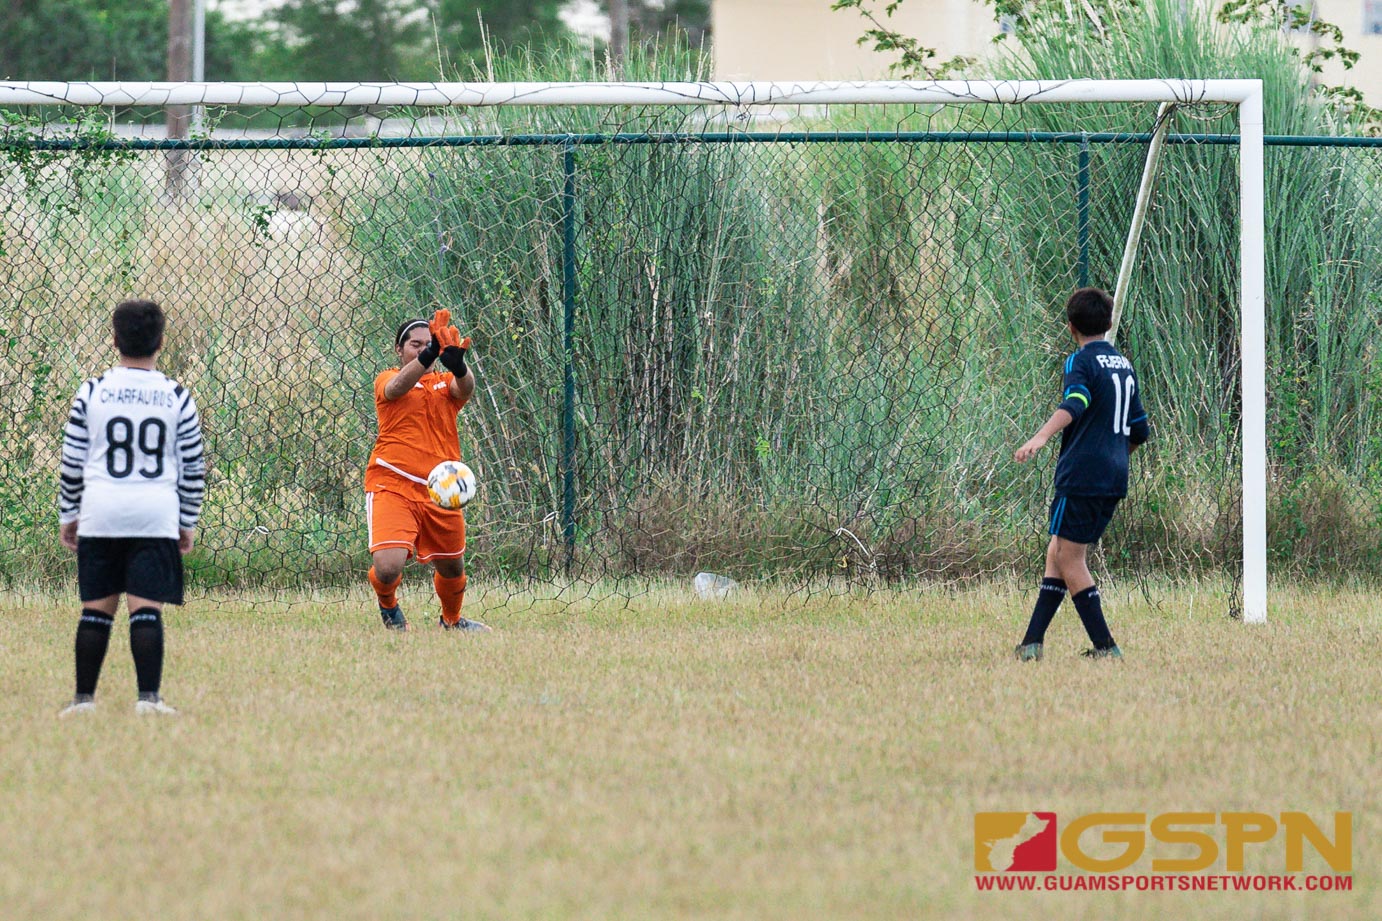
{"type": "Point", "coordinates": [799, 348]}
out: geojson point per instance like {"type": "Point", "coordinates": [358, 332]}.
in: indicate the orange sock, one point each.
{"type": "Point", "coordinates": [387, 591]}
{"type": "Point", "coordinates": [452, 594]}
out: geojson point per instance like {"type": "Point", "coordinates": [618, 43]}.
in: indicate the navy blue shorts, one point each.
{"type": "Point", "coordinates": [1082, 519]}
{"type": "Point", "coordinates": [146, 567]}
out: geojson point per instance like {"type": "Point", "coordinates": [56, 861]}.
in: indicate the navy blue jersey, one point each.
{"type": "Point", "coordinates": [1101, 393]}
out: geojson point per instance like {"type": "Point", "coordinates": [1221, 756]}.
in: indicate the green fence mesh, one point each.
{"type": "Point", "coordinates": [798, 347]}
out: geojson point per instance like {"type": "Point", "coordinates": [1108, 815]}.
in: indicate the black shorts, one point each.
{"type": "Point", "coordinates": [146, 567]}
{"type": "Point", "coordinates": [1082, 519]}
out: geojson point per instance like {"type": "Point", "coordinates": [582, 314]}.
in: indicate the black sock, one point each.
{"type": "Point", "coordinates": [1051, 594]}
{"type": "Point", "coordinates": [1091, 612]}
{"type": "Point", "coordinates": [146, 645]}
{"type": "Point", "coordinates": [93, 636]}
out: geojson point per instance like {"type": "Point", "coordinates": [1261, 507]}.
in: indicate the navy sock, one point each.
{"type": "Point", "coordinates": [1048, 601]}
{"type": "Point", "coordinates": [93, 636]}
{"type": "Point", "coordinates": [146, 645]}
{"type": "Point", "coordinates": [1091, 612]}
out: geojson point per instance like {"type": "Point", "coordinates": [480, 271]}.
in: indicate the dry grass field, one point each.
{"type": "Point", "coordinates": [755, 758]}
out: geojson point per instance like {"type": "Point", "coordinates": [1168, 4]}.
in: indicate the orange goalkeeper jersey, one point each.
{"type": "Point", "coordinates": [416, 432]}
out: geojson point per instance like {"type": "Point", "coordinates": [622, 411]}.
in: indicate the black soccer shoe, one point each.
{"type": "Point", "coordinates": [393, 618]}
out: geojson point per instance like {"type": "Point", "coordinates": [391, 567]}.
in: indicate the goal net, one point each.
{"type": "Point", "coordinates": [786, 334]}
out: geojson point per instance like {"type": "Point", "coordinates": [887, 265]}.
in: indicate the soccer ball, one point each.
{"type": "Point", "coordinates": [451, 484]}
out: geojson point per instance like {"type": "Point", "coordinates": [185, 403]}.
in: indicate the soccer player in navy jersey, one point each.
{"type": "Point", "coordinates": [1101, 422]}
{"type": "Point", "coordinates": [133, 478]}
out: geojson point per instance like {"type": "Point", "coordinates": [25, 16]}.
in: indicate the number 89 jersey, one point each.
{"type": "Point", "coordinates": [1101, 394]}
{"type": "Point", "coordinates": [132, 458]}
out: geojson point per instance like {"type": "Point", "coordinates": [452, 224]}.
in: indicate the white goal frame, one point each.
{"type": "Point", "coordinates": [1245, 95]}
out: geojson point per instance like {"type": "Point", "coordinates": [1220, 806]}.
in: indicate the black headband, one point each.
{"type": "Point", "coordinates": [403, 333]}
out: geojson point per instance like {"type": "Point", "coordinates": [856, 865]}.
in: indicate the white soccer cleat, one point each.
{"type": "Point", "coordinates": [77, 708]}
{"type": "Point", "coordinates": [155, 707]}
{"type": "Point", "coordinates": [464, 624]}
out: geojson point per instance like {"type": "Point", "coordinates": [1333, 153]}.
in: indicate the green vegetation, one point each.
{"type": "Point", "coordinates": [791, 360]}
{"type": "Point", "coordinates": [305, 40]}
{"type": "Point", "coordinates": [75, 40]}
{"type": "Point", "coordinates": [1324, 266]}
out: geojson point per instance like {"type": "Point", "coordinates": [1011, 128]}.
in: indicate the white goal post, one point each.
{"type": "Point", "coordinates": [1245, 95]}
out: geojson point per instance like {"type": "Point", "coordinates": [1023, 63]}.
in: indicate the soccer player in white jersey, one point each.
{"type": "Point", "coordinates": [133, 477]}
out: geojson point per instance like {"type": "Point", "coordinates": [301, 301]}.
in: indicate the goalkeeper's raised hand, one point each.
{"type": "Point", "coordinates": [453, 347]}
{"type": "Point", "coordinates": [453, 356]}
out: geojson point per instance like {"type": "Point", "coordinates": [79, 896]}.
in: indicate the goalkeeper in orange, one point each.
{"type": "Point", "coordinates": [417, 405]}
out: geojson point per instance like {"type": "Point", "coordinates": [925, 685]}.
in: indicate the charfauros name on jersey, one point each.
{"type": "Point", "coordinates": [143, 396]}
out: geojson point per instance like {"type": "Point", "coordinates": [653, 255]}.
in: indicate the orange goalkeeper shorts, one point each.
{"type": "Point", "coordinates": [427, 530]}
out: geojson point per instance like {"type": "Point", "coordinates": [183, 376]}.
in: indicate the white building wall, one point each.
{"type": "Point", "coordinates": [806, 40]}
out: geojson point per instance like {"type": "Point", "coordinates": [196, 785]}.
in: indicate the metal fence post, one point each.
{"type": "Point", "coordinates": [1082, 207]}
{"type": "Point", "coordinates": [568, 298]}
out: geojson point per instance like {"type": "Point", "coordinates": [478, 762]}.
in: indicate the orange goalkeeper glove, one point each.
{"type": "Point", "coordinates": [441, 327]}
{"type": "Point", "coordinates": [440, 320]}
{"type": "Point", "coordinates": [453, 347]}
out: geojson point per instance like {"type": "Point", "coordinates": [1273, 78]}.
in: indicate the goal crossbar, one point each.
{"type": "Point", "coordinates": [1235, 92]}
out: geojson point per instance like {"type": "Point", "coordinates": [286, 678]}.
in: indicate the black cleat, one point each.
{"type": "Point", "coordinates": [393, 618]}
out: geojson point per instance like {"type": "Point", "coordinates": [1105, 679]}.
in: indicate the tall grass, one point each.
{"type": "Point", "coordinates": [1324, 274]}
{"type": "Point", "coordinates": [792, 360]}
{"type": "Point", "coordinates": [245, 307]}
{"type": "Point", "coordinates": [834, 345]}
